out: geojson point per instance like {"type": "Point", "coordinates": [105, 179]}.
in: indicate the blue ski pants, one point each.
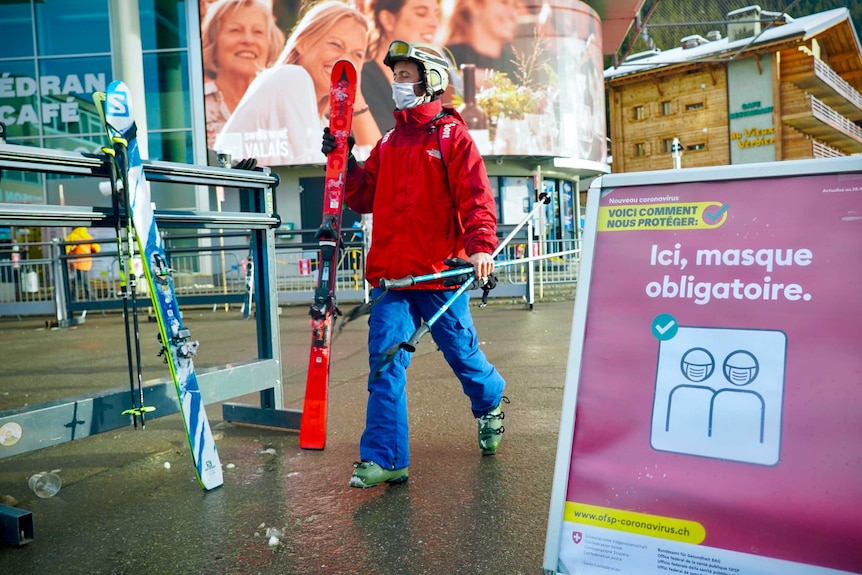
{"type": "Point", "coordinates": [394, 319]}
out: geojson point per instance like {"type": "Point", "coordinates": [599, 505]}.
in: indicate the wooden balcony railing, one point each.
{"type": "Point", "coordinates": [818, 79]}
{"type": "Point", "coordinates": [828, 126]}
{"type": "Point", "coordinates": [821, 150]}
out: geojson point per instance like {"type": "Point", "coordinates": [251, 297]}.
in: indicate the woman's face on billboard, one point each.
{"type": "Point", "coordinates": [498, 17]}
{"type": "Point", "coordinates": [345, 40]}
{"type": "Point", "coordinates": [417, 21]}
{"type": "Point", "coordinates": [243, 43]}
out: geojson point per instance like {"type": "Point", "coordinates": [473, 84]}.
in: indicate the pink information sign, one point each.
{"type": "Point", "coordinates": [712, 420]}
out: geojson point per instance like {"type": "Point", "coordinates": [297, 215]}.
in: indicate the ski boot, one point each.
{"type": "Point", "coordinates": [491, 428]}
{"type": "Point", "coordinates": [369, 474]}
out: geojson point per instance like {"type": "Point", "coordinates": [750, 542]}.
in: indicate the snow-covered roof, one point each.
{"type": "Point", "coordinates": [805, 26]}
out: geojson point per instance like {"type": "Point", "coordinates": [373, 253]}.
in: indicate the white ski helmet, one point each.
{"type": "Point", "coordinates": [432, 64]}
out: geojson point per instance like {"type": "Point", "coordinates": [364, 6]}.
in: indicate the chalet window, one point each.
{"type": "Point", "coordinates": [667, 145]}
{"type": "Point", "coordinates": [695, 106]}
{"type": "Point", "coordinates": [640, 149]}
{"type": "Point", "coordinates": [666, 108]}
{"type": "Point", "coordinates": [639, 113]}
{"type": "Point", "coordinates": [695, 147]}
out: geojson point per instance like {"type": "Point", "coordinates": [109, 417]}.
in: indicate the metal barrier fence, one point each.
{"type": "Point", "coordinates": [211, 269]}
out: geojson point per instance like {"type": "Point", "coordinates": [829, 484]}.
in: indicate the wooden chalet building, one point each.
{"type": "Point", "coordinates": [768, 88]}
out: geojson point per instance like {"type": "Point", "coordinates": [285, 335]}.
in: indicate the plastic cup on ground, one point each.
{"type": "Point", "coordinates": [45, 484]}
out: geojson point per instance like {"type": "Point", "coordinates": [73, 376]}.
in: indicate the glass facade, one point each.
{"type": "Point", "coordinates": [71, 27]}
{"type": "Point", "coordinates": [55, 55]}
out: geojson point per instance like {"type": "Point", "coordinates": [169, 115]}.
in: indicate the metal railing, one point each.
{"type": "Point", "coordinates": [211, 269]}
{"type": "Point", "coordinates": [47, 422]}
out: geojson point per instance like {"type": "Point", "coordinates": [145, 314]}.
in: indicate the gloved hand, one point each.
{"type": "Point", "coordinates": [245, 164]}
{"type": "Point", "coordinates": [457, 263]}
{"type": "Point", "coordinates": [486, 284]}
{"type": "Point", "coordinates": [328, 144]}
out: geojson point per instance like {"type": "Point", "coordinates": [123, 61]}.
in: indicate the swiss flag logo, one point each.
{"type": "Point", "coordinates": [577, 536]}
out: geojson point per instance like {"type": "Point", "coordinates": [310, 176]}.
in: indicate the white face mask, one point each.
{"type": "Point", "coordinates": [404, 96]}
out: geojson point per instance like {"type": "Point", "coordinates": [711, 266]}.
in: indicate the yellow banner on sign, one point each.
{"type": "Point", "coordinates": [633, 522]}
{"type": "Point", "coordinates": [677, 216]}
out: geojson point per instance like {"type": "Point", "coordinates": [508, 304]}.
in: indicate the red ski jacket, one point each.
{"type": "Point", "coordinates": [426, 185]}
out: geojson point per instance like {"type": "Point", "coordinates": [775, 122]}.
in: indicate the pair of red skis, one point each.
{"type": "Point", "coordinates": [342, 93]}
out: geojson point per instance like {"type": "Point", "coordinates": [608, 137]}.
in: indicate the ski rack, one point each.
{"type": "Point", "coordinates": [49, 423]}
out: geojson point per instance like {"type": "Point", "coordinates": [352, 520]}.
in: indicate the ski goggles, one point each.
{"type": "Point", "coordinates": [400, 50]}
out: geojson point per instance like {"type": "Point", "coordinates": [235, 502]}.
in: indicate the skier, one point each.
{"type": "Point", "coordinates": [426, 185]}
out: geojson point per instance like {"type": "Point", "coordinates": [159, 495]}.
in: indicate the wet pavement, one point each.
{"type": "Point", "coordinates": [130, 502]}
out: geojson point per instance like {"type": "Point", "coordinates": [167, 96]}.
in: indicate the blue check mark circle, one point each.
{"type": "Point", "coordinates": [664, 327]}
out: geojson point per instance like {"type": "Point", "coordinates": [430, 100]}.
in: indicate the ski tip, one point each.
{"type": "Point", "coordinates": [118, 86]}
{"type": "Point", "coordinates": [343, 70]}
{"type": "Point", "coordinates": [99, 99]}
{"type": "Point", "coordinates": [119, 105]}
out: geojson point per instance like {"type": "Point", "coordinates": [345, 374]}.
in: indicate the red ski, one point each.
{"type": "Point", "coordinates": [312, 429]}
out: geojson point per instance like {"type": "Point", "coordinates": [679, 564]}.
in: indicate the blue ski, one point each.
{"type": "Point", "coordinates": [177, 347]}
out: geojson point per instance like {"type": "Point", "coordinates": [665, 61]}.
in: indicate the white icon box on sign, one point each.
{"type": "Point", "coordinates": [719, 393]}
